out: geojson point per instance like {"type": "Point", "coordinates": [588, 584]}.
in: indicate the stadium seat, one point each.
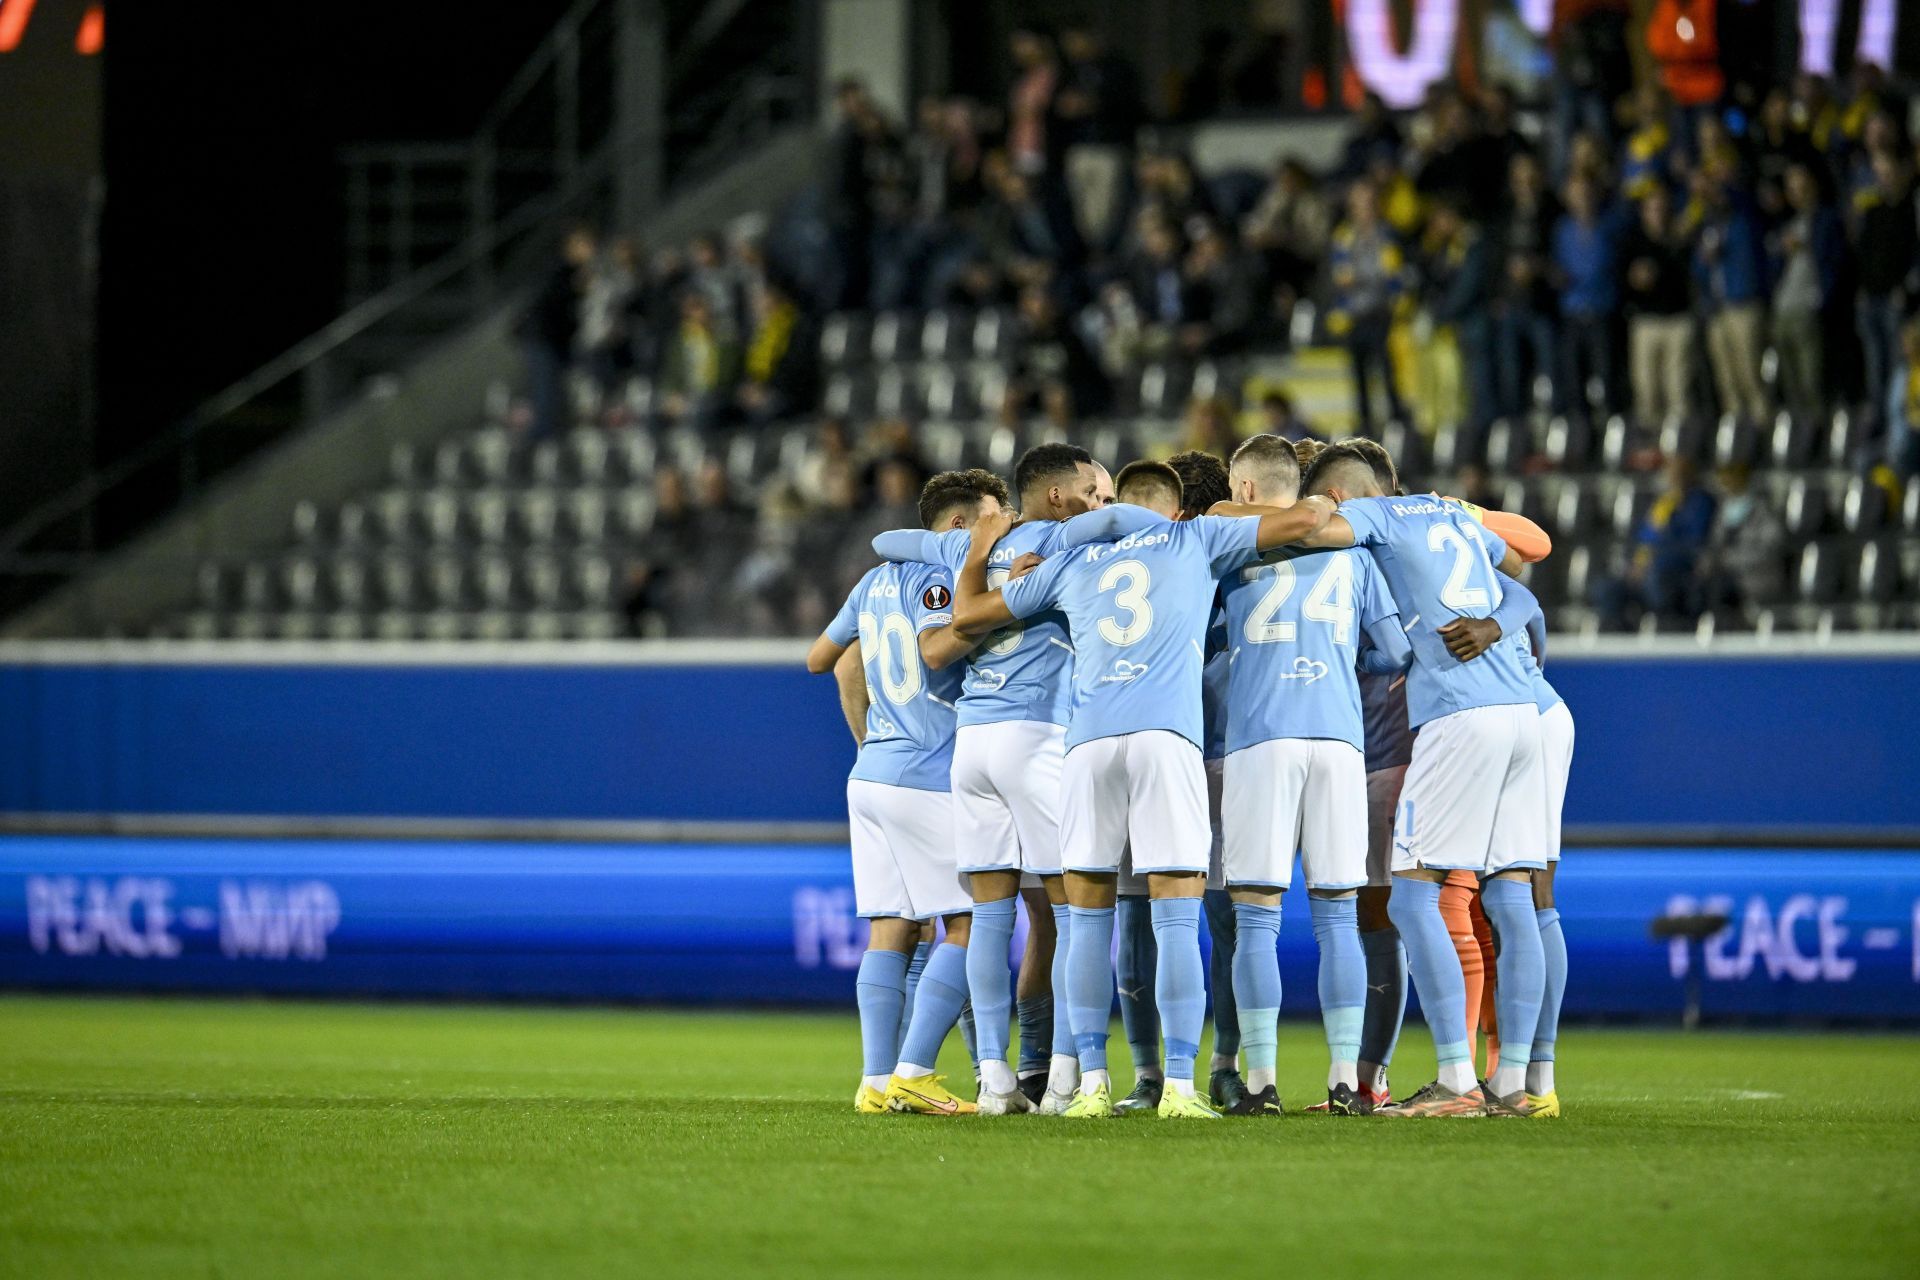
{"type": "Point", "coordinates": [636, 454]}
{"type": "Point", "coordinates": [308, 524]}
{"type": "Point", "coordinates": [1449, 450]}
{"type": "Point", "coordinates": [495, 580]}
{"type": "Point", "coordinates": [1407, 447]}
{"type": "Point", "coordinates": [1003, 448]}
{"type": "Point", "coordinates": [347, 582]}
{"type": "Point", "coordinates": [895, 394]}
{"type": "Point", "coordinates": [1735, 443]}
{"type": "Point", "coordinates": [490, 625]}
{"type": "Point", "coordinates": [392, 516]}
{"type": "Point", "coordinates": [1791, 442]}
{"type": "Point", "coordinates": [1863, 507]}
{"type": "Point", "coordinates": [542, 625]}
{"type": "Point", "coordinates": [403, 465]}
{"type": "Point", "coordinates": [543, 579]}
{"type": "Point", "coordinates": [1846, 438]}
{"type": "Point", "coordinates": [1578, 581]}
{"type": "Point", "coordinates": [585, 515]}
{"type": "Point", "coordinates": [1819, 576]}
{"type": "Point", "coordinates": [543, 463]}
{"type": "Point", "coordinates": [684, 449]}
{"type": "Point", "coordinates": [1568, 443]}
{"type": "Point", "coordinates": [946, 394]}
{"type": "Point", "coordinates": [586, 456]}
{"type": "Point", "coordinates": [490, 455]}
{"type": "Point", "coordinates": [843, 339]}
{"type": "Point", "coordinates": [1684, 437]}
{"type": "Point", "coordinates": [489, 516]}
{"type": "Point", "coordinates": [945, 334]}
{"type": "Point", "coordinates": [449, 585]}
{"type": "Point", "coordinates": [1509, 445]}
{"type": "Point", "coordinates": [1109, 442]}
{"type": "Point", "coordinates": [888, 339]}
{"type": "Point", "coordinates": [1627, 506]}
{"type": "Point", "coordinates": [214, 585]}
{"type": "Point", "coordinates": [393, 624]}
{"type": "Point", "coordinates": [1616, 437]}
{"type": "Point", "coordinates": [992, 335]}
{"type": "Point", "coordinates": [1909, 555]}
{"type": "Point", "coordinates": [536, 514]}
{"type": "Point", "coordinates": [257, 588]}
{"type": "Point", "coordinates": [1877, 575]}
{"type": "Point", "coordinates": [987, 385]}
{"type": "Point", "coordinates": [848, 395]}
{"type": "Point", "coordinates": [944, 445]}
{"type": "Point", "coordinates": [439, 514]}
{"type": "Point", "coordinates": [593, 579]}
{"type": "Point", "coordinates": [344, 624]}
{"type": "Point", "coordinates": [1163, 389]}
{"type": "Point", "coordinates": [350, 525]}
{"type": "Point", "coordinates": [200, 625]}
{"type": "Point", "coordinates": [449, 464]}
{"type": "Point", "coordinates": [1804, 509]}
{"type": "Point", "coordinates": [441, 625]}
{"type": "Point", "coordinates": [399, 581]}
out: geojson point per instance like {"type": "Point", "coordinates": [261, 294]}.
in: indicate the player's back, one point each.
{"type": "Point", "coordinates": [1138, 611]}
{"type": "Point", "coordinates": [910, 709]}
{"type": "Point", "coordinates": [1295, 621]}
{"type": "Point", "coordinates": [1438, 561]}
{"type": "Point", "coordinates": [1024, 671]}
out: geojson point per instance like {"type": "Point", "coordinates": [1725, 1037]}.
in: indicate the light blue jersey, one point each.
{"type": "Point", "coordinates": [1532, 646]}
{"type": "Point", "coordinates": [1138, 611]}
{"type": "Point", "coordinates": [1438, 561]}
{"type": "Point", "coordinates": [910, 711]}
{"type": "Point", "coordinates": [1296, 621]}
{"type": "Point", "coordinates": [1023, 671]}
{"type": "Point", "coordinates": [1215, 681]}
{"type": "Point", "coordinates": [1383, 712]}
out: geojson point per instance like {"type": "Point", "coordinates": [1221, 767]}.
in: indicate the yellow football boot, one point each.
{"type": "Point", "coordinates": [1543, 1106]}
{"type": "Point", "coordinates": [925, 1096]}
{"type": "Point", "coordinates": [1175, 1105]}
{"type": "Point", "coordinates": [869, 1101]}
{"type": "Point", "coordinates": [1097, 1105]}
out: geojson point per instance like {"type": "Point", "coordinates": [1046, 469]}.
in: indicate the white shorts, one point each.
{"type": "Point", "coordinates": [1305, 794]}
{"type": "Point", "coordinates": [1556, 749]}
{"type": "Point", "coordinates": [1473, 794]}
{"type": "Point", "coordinates": [1145, 789]}
{"type": "Point", "coordinates": [903, 863]}
{"type": "Point", "coordinates": [1383, 799]}
{"type": "Point", "coordinates": [1006, 796]}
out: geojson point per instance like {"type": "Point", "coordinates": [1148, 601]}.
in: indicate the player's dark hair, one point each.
{"type": "Point", "coordinates": [1203, 481]}
{"type": "Point", "coordinates": [1047, 464]}
{"type": "Point", "coordinates": [1306, 450]}
{"type": "Point", "coordinates": [1384, 472]}
{"type": "Point", "coordinates": [1338, 465]}
{"type": "Point", "coordinates": [1274, 456]}
{"type": "Point", "coordinates": [951, 489]}
{"type": "Point", "coordinates": [1149, 476]}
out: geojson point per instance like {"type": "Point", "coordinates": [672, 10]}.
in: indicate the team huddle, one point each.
{"type": "Point", "coordinates": [1131, 704]}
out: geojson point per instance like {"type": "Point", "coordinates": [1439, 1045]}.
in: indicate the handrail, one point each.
{"type": "Point", "coordinates": [307, 352]}
{"type": "Point", "coordinates": [535, 66]}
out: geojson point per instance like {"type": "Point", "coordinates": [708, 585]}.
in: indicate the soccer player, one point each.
{"type": "Point", "coordinates": [1472, 795]}
{"type": "Point", "coordinates": [1012, 716]}
{"type": "Point", "coordinates": [1138, 611]}
{"type": "Point", "coordinates": [1298, 624]}
{"type": "Point", "coordinates": [1203, 482]}
{"type": "Point", "coordinates": [1556, 736]}
{"type": "Point", "coordinates": [898, 803]}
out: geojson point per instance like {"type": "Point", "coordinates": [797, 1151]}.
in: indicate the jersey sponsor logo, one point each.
{"type": "Point", "coordinates": [1123, 672]}
{"type": "Point", "coordinates": [1307, 669]}
{"type": "Point", "coordinates": [936, 598]}
{"type": "Point", "coordinates": [986, 679]}
{"type": "Point", "coordinates": [886, 590]}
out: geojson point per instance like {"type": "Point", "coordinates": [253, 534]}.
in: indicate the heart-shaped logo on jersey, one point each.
{"type": "Point", "coordinates": [1304, 668]}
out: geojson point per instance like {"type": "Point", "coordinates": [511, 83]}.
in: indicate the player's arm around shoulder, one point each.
{"type": "Point", "coordinates": [978, 609]}
{"type": "Point", "coordinates": [1310, 522]}
{"type": "Point", "coordinates": [823, 654]}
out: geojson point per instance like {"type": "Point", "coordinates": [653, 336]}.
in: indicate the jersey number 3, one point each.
{"type": "Point", "coordinates": [1131, 599]}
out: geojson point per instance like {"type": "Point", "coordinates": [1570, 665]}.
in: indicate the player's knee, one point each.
{"type": "Point", "coordinates": [1257, 895]}
{"type": "Point", "coordinates": [1332, 895]}
{"type": "Point", "coordinates": [959, 929]}
{"type": "Point", "coordinates": [890, 933]}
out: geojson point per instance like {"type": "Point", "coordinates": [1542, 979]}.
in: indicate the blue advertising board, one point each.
{"type": "Point", "coordinates": [1805, 739]}
{"type": "Point", "coordinates": [1814, 934]}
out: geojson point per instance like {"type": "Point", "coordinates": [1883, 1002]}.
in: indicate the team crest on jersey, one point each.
{"type": "Point", "coordinates": [936, 597]}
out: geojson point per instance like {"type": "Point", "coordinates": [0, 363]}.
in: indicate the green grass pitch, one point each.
{"type": "Point", "coordinates": [203, 1138]}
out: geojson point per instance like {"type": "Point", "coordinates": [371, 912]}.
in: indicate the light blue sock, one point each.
{"type": "Point", "coordinates": [1133, 920]}
{"type": "Point", "coordinates": [1343, 977]}
{"type": "Point", "coordinates": [1090, 984]}
{"type": "Point", "coordinates": [1062, 1019]}
{"type": "Point", "coordinates": [1226, 1010]}
{"type": "Point", "coordinates": [1386, 995]}
{"type": "Point", "coordinates": [967, 1035]}
{"type": "Point", "coordinates": [989, 983]}
{"type": "Point", "coordinates": [1523, 975]}
{"type": "Point", "coordinates": [880, 989]}
{"type": "Point", "coordinates": [1256, 986]}
{"type": "Point", "coordinates": [1036, 1032]}
{"type": "Point", "coordinates": [1415, 908]}
{"type": "Point", "coordinates": [915, 967]}
{"type": "Point", "coordinates": [1180, 984]}
{"type": "Point", "coordinates": [1553, 946]}
{"type": "Point", "coordinates": [936, 1006]}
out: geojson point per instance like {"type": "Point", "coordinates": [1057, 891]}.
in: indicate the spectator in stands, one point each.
{"type": "Point", "coordinates": [1373, 132]}
{"type": "Point", "coordinates": [1035, 139]}
{"type": "Point", "coordinates": [547, 332]}
{"type": "Point", "coordinates": [697, 374]}
{"type": "Point", "coordinates": [1277, 416]}
{"type": "Point", "coordinates": [1647, 155]}
{"type": "Point", "coordinates": [1887, 249]}
{"type": "Point", "coordinates": [1903, 406]}
{"type": "Point", "coordinates": [1586, 266]}
{"type": "Point", "coordinates": [1592, 70]}
{"type": "Point", "coordinates": [1744, 565]}
{"type": "Point", "coordinates": [1209, 426]}
{"type": "Point", "coordinates": [1779, 142]}
{"type": "Point", "coordinates": [668, 556]}
{"type": "Point", "coordinates": [890, 443]}
{"type": "Point", "coordinates": [1224, 285]}
{"type": "Point", "coordinates": [1161, 290]}
{"type": "Point", "coordinates": [604, 344]}
{"type": "Point", "coordinates": [1806, 250]}
{"type": "Point", "coordinates": [1524, 305]}
{"type": "Point", "coordinates": [1683, 37]}
{"type": "Point", "coordinates": [1471, 483]}
{"type": "Point", "coordinates": [894, 505]}
{"type": "Point", "coordinates": [1461, 281]}
{"type": "Point", "coordinates": [1051, 354]}
{"type": "Point", "coordinates": [829, 468]}
{"type": "Point", "coordinates": [779, 373]}
{"type": "Point", "coordinates": [1662, 577]}
{"type": "Point", "coordinates": [1660, 332]}
{"type": "Point", "coordinates": [1368, 273]}
{"type": "Point", "coordinates": [1460, 162]}
{"type": "Point", "coordinates": [844, 207]}
{"type": "Point", "coordinates": [1100, 106]}
{"type": "Point", "coordinates": [1289, 228]}
{"type": "Point", "coordinates": [1729, 268]}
